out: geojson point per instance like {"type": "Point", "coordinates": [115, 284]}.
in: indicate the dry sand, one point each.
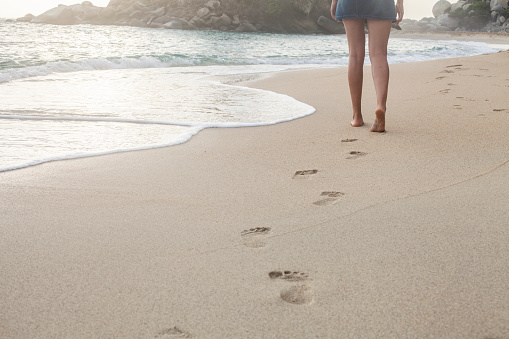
{"type": "Point", "coordinates": [396, 235]}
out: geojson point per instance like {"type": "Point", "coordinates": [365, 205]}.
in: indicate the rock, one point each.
{"type": "Point", "coordinates": [120, 3]}
{"type": "Point", "coordinates": [330, 25]}
{"type": "Point", "coordinates": [91, 13]}
{"type": "Point", "coordinates": [213, 5]}
{"type": "Point", "coordinates": [161, 20]}
{"type": "Point", "coordinates": [137, 15]}
{"type": "Point", "coordinates": [440, 8]}
{"type": "Point", "coordinates": [236, 20]}
{"type": "Point", "coordinates": [107, 16]}
{"type": "Point", "coordinates": [304, 6]}
{"type": "Point", "coordinates": [446, 21]}
{"type": "Point", "coordinates": [222, 21]}
{"type": "Point", "coordinates": [297, 29]}
{"type": "Point", "coordinates": [136, 23]}
{"type": "Point", "coordinates": [494, 16]}
{"type": "Point", "coordinates": [457, 5]}
{"type": "Point", "coordinates": [246, 27]}
{"type": "Point", "coordinates": [159, 12]}
{"type": "Point", "coordinates": [197, 22]}
{"type": "Point", "coordinates": [203, 13]}
{"type": "Point", "coordinates": [501, 20]}
{"type": "Point", "coordinates": [144, 3]}
{"type": "Point", "coordinates": [426, 20]}
{"type": "Point", "coordinates": [87, 3]}
{"type": "Point", "coordinates": [27, 18]}
{"type": "Point", "coordinates": [498, 5]}
{"type": "Point", "coordinates": [61, 15]}
{"type": "Point", "coordinates": [173, 24]}
{"type": "Point", "coordinates": [466, 7]}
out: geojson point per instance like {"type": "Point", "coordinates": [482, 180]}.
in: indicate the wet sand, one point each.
{"type": "Point", "coordinates": [310, 228]}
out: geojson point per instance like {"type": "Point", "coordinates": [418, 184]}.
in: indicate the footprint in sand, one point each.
{"type": "Point", "coordinates": [445, 91]}
{"type": "Point", "coordinates": [356, 154]}
{"type": "Point", "coordinates": [465, 99]}
{"type": "Point", "coordinates": [289, 275]}
{"type": "Point", "coordinates": [500, 109]}
{"type": "Point", "coordinates": [447, 71]}
{"type": "Point", "coordinates": [255, 237]}
{"type": "Point", "coordinates": [348, 140]}
{"type": "Point", "coordinates": [329, 198]}
{"type": "Point", "coordinates": [439, 78]}
{"type": "Point", "coordinates": [299, 294]}
{"type": "Point", "coordinates": [457, 107]}
{"type": "Point", "coordinates": [304, 174]}
{"type": "Point", "coordinates": [174, 332]}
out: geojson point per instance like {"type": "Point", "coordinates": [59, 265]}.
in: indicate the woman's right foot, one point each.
{"type": "Point", "coordinates": [379, 124]}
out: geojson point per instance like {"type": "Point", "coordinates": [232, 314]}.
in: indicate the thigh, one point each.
{"type": "Point", "coordinates": [378, 36]}
{"type": "Point", "coordinates": [355, 35]}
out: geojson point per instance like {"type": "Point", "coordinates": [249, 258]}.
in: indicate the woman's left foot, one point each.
{"type": "Point", "coordinates": [357, 121]}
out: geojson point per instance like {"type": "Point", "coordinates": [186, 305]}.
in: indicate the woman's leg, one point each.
{"type": "Point", "coordinates": [378, 38]}
{"type": "Point", "coordinates": [356, 45]}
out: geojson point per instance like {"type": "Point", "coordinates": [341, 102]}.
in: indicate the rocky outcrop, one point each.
{"type": "Point", "coordinates": [498, 5]}
{"type": "Point", "coordinates": [440, 8]}
{"type": "Point", "coordinates": [464, 15]}
{"type": "Point", "coordinates": [61, 15]}
{"type": "Point", "coordinates": [27, 18]}
{"type": "Point", "coordinates": [330, 25]}
{"type": "Point", "coordinates": [277, 16]}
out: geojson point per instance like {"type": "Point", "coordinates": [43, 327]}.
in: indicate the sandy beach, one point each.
{"type": "Point", "coordinates": [306, 229]}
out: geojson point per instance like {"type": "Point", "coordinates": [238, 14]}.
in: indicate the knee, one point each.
{"type": "Point", "coordinates": [377, 53]}
{"type": "Point", "coordinates": [378, 56]}
{"type": "Point", "coordinates": [357, 58]}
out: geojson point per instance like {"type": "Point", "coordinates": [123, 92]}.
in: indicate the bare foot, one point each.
{"type": "Point", "coordinates": [357, 121]}
{"type": "Point", "coordinates": [379, 124]}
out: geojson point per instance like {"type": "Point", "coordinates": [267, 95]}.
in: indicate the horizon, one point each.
{"type": "Point", "coordinates": [413, 10]}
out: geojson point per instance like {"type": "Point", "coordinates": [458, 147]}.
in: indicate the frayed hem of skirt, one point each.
{"type": "Point", "coordinates": [393, 19]}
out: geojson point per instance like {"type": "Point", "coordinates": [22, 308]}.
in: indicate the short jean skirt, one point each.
{"type": "Point", "coordinates": [366, 9]}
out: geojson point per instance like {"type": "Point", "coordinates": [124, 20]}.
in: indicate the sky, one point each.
{"type": "Point", "coordinates": [414, 9]}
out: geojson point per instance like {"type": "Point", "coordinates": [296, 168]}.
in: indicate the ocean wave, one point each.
{"type": "Point", "coordinates": [10, 74]}
{"type": "Point", "coordinates": [400, 50]}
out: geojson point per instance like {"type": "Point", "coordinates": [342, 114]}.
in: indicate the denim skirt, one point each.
{"type": "Point", "coordinates": [366, 9]}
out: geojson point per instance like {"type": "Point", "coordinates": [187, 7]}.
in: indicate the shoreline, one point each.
{"type": "Point", "coordinates": [486, 37]}
{"type": "Point", "coordinates": [489, 38]}
{"type": "Point", "coordinates": [395, 234]}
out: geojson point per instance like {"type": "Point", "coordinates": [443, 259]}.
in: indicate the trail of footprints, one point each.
{"type": "Point", "coordinates": [295, 285]}
{"type": "Point", "coordinates": [449, 70]}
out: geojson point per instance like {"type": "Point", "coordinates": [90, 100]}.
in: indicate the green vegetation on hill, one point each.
{"type": "Point", "coordinates": [474, 16]}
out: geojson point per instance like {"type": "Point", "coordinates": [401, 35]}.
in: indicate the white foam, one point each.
{"type": "Point", "coordinates": [180, 140]}
{"type": "Point", "coordinates": [51, 92]}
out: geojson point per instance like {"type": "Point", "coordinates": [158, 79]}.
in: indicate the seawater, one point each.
{"type": "Point", "coordinates": [75, 91]}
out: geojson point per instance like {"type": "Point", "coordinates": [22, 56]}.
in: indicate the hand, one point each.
{"type": "Point", "coordinates": [399, 11]}
{"type": "Point", "coordinates": [333, 7]}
